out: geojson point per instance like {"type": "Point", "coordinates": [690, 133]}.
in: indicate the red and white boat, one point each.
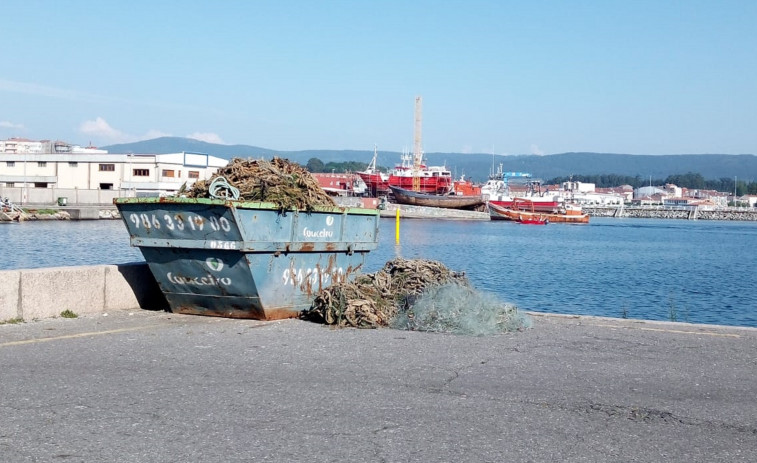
{"type": "Point", "coordinates": [431, 179]}
{"type": "Point", "coordinates": [411, 174]}
{"type": "Point", "coordinates": [376, 182]}
{"type": "Point", "coordinates": [497, 191]}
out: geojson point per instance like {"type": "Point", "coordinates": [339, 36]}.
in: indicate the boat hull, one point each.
{"type": "Point", "coordinates": [533, 221]}
{"type": "Point", "coordinates": [242, 259]}
{"type": "Point", "coordinates": [426, 183]}
{"type": "Point", "coordinates": [376, 184]}
{"type": "Point", "coordinates": [539, 204]}
{"type": "Point", "coordinates": [502, 213]}
{"type": "Point", "coordinates": [415, 198]}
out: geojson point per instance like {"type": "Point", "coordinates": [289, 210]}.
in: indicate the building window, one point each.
{"type": "Point", "coordinates": [107, 167]}
{"type": "Point", "coordinates": [168, 173]}
{"type": "Point", "coordinates": [141, 172]}
{"type": "Point", "coordinates": [193, 174]}
{"type": "Point", "coordinates": [106, 186]}
{"type": "Point", "coordinates": [40, 184]}
{"type": "Point", "coordinates": [42, 164]}
{"type": "Point", "coordinates": [9, 184]}
{"type": "Point", "coordinates": [10, 163]}
{"type": "Point", "coordinates": [73, 164]}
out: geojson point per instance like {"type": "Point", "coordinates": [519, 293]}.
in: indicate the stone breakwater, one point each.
{"type": "Point", "coordinates": [661, 213]}
{"type": "Point", "coordinates": [69, 214]}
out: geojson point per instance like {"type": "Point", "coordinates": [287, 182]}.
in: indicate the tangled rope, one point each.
{"type": "Point", "coordinates": [221, 189]}
{"type": "Point", "coordinates": [284, 183]}
{"type": "Point", "coordinates": [418, 295]}
{"type": "Point", "coordinates": [374, 299]}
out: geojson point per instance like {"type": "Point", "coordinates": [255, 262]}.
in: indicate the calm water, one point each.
{"type": "Point", "coordinates": [696, 271]}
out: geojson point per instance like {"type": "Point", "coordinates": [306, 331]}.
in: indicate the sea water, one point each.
{"type": "Point", "coordinates": [654, 269]}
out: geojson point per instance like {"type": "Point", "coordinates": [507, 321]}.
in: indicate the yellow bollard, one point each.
{"type": "Point", "coordinates": [397, 227]}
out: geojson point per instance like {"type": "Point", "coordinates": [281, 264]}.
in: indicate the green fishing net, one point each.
{"type": "Point", "coordinates": [415, 294]}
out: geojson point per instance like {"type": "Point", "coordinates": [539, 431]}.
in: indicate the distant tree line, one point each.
{"type": "Point", "coordinates": [689, 180]}
{"type": "Point", "coordinates": [316, 165]}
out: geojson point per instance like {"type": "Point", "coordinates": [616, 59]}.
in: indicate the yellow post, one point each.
{"type": "Point", "coordinates": [397, 227]}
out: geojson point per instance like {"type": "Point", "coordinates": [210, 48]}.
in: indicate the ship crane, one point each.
{"type": "Point", "coordinates": [417, 150]}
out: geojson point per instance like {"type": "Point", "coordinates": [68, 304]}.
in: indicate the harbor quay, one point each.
{"type": "Point", "coordinates": [90, 212]}
{"type": "Point", "coordinates": [122, 383]}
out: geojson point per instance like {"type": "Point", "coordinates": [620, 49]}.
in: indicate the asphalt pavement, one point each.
{"type": "Point", "coordinates": [159, 387]}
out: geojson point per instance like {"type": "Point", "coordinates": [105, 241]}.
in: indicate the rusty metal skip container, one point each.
{"type": "Point", "coordinates": [243, 259]}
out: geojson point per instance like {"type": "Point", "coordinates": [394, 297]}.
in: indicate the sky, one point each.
{"type": "Point", "coordinates": [499, 77]}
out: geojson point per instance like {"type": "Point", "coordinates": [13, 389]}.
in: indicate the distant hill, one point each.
{"type": "Point", "coordinates": [478, 166]}
{"type": "Point", "coordinates": [164, 145]}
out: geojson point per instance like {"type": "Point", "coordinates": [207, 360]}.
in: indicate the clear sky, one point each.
{"type": "Point", "coordinates": [499, 76]}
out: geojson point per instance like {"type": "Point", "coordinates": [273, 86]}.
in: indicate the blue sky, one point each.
{"type": "Point", "coordinates": [501, 77]}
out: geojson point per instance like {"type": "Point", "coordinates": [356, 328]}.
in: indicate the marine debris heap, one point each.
{"type": "Point", "coordinates": [414, 294]}
{"type": "Point", "coordinates": [279, 181]}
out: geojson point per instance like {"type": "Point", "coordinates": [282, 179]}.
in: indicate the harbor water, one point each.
{"type": "Point", "coordinates": [653, 269]}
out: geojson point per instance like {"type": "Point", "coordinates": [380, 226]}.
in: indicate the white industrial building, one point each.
{"type": "Point", "coordinates": [29, 176]}
{"type": "Point", "coordinates": [586, 194]}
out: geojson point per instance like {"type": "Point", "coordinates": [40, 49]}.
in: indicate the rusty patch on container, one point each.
{"type": "Point", "coordinates": [280, 314]}
{"type": "Point", "coordinates": [230, 312]}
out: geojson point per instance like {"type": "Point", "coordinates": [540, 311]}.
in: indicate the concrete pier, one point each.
{"type": "Point", "coordinates": [161, 387]}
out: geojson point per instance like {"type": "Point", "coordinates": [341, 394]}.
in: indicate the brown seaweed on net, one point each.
{"type": "Point", "coordinates": [374, 299]}
{"type": "Point", "coordinates": [279, 181]}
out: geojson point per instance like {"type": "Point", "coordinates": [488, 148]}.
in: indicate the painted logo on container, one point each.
{"type": "Point", "coordinates": [215, 264]}
{"type": "Point", "coordinates": [323, 232]}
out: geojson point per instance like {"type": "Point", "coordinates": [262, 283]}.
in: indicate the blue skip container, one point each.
{"type": "Point", "coordinates": [239, 259]}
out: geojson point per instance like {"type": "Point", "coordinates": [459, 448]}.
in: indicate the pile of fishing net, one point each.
{"type": "Point", "coordinates": [415, 294]}
{"type": "Point", "coordinates": [279, 181]}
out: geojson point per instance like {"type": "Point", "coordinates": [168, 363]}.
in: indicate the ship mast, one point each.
{"type": "Point", "coordinates": [417, 150]}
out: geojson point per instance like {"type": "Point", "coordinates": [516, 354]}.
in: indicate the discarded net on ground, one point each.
{"type": "Point", "coordinates": [453, 308]}
{"type": "Point", "coordinates": [414, 294]}
{"type": "Point", "coordinates": [279, 181]}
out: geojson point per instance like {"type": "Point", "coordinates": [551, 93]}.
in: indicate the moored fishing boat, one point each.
{"type": "Point", "coordinates": [377, 182]}
{"type": "Point", "coordinates": [497, 191]}
{"type": "Point", "coordinates": [569, 213]}
{"type": "Point", "coordinates": [431, 179]}
{"type": "Point", "coordinates": [412, 173]}
{"type": "Point", "coordinates": [534, 221]}
{"type": "Point", "coordinates": [466, 187]}
{"type": "Point", "coordinates": [450, 201]}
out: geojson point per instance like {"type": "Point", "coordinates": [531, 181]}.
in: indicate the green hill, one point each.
{"type": "Point", "coordinates": [478, 166]}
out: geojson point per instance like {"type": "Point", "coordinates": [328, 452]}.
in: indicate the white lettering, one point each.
{"type": "Point", "coordinates": [214, 244]}
{"type": "Point", "coordinates": [323, 233]}
{"type": "Point", "coordinates": [134, 219]}
{"type": "Point", "coordinates": [207, 280]}
{"type": "Point", "coordinates": [294, 277]}
{"type": "Point", "coordinates": [169, 221]}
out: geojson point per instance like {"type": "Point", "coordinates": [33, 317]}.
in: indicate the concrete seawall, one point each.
{"type": "Point", "coordinates": [32, 294]}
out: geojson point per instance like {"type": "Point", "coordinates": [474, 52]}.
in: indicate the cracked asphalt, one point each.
{"type": "Point", "coordinates": [159, 387]}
